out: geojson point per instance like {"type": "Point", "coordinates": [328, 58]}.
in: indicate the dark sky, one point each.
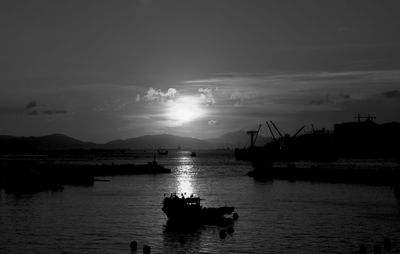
{"type": "Point", "coordinates": [101, 70]}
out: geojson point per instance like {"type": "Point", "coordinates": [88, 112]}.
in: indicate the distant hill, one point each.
{"type": "Point", "coordinates": [238, 139]}
{"type": "Point", "coordinates": [11, 144]}
{"type": "Point", "coordinates": [157, 141]}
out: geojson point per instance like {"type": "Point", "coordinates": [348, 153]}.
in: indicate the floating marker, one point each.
{"type": "Point", "coordinates": [222, 234]}
{"type": "Point", "coordinates": [146, 249]}
{"type": "Point", "coordinates": [387, 244]}
{"type": "Point", "coordinates": [182, 239]}
{"type": "Point", "coordinates": [377, 249]}
{"type": "Point", "coordinates": [363, 249]}
{"type": "Point", "coordinates": [133, 246]}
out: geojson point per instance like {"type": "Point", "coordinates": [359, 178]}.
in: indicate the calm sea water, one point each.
{"type": "Point", "coordinates": [275, 217]}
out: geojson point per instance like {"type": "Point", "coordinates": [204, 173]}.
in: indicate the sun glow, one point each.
{"type": "Point", "coordinates": [185, 109]}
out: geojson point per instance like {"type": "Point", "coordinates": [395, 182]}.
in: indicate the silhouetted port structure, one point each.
{"type": "Point", "coordinates": [314, 156]}
{"type": "Point", "coordinates": [360, 139]}
{"type": "Point", "coordinates": [368, 139]}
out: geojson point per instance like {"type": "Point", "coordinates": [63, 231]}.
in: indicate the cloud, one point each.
{"type": "Point", "coordinates": [31, 104]}
{"type": "Point", "coordinates": [212, 122]}
{"type": "Point", "coordinates": [33, 113]}
{"type": "Point", "coordinates": [309, 88]}
{"type": "Point", "coordinates": [243, 95]}
{"type": "Point", "coordinates": [206, 95]}
{"type": "Point", "coordinates": [330, 99]}
{"type": "Point", "coordinates": [54, 112]}
{"type": "Point", "coordinates": [159, 96]}
{"type": "Point", "coordinates": [35, 109]}
{"type": "Point", "coordinates": [393, 94]}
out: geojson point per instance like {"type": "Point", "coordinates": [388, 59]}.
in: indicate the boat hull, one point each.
{"type": "Point", "coordinates": [197, 215]}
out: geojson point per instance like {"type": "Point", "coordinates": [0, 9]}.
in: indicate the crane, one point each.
{"type": "Point", "coordinates": [297, 133]}
{"type": "Point", "coordinates": [252, 138]}
{"type": "Point", "coordinates": [277, 130]}
{"type": "Point", "coordinates": [270, 130]}
{"type": "Point", "coordinates": [280, 134]}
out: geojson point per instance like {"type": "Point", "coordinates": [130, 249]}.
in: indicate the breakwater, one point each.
{"type": "Point", "coordinates": [334, 173]}
{"type": "Point", "coordinates": [29, 175]}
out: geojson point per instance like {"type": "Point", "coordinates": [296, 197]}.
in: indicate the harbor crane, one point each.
{"type": "Point", "coordinates": [253, 136]}
{"type": "Point", "coordinates": [280, 134]}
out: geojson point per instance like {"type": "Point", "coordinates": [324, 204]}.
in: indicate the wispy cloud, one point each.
{"type": "Point", "coordinates": [393, 94]}
{"type": "Point", "coordinates": [206, 95]}
{"type": "Point", "coordinates": [31, 104]}
{"type": "Point", "coordinates": [159, 96]}
{"type": "Point", "coordinates": [34, 109]}
{"type": "Point", "coordinates": [300, 88]}
{"type": "Point", "coordinates": [212, 122]}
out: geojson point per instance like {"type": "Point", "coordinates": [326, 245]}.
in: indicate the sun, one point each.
{"type": "Point", "coordinates": [184, 109]}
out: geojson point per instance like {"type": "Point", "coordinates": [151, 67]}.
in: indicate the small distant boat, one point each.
{"type": "Point", "coordinates": [161, 151]}
{"type": "Point", "coordinates": [181, 209]}
{"type": "Point", "coordinates": [193, 154]}
{"type": "Point", "coordinates": [152, 167]}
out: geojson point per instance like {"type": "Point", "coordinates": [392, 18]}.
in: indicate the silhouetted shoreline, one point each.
{"type": "Point", "coordinates": [31, 175]}
{"type": "Point", "coordinates": [371, 172]}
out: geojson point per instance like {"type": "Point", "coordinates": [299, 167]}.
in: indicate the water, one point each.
{"type": "Point", "coordinates": [275, 217]}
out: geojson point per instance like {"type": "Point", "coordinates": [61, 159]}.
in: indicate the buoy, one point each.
{"type": "Point", "coordinates": [146, 249]}
{"type": "Point", "coordinates": [222, 234]}
{"type": "Point", "coordinates": [230, 230]}
{"type": "Point", "coordinates": [363, 249]}
{"type": "Point", "coordinates": [235, 216]}
{"type": "Point", "coordinates": [182, 239]}
{"type": "Point", "coordinates": [133, 246]}
{"type": "Point", "coordinates": [387, 244]}
{"type": "Point", "coordinates": [377, 249]}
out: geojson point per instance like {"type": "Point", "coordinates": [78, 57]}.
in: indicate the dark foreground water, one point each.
{"type": "Point", "coordinates": [275, 217]}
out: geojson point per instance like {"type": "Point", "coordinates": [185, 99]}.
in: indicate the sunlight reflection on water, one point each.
{"type": "Point", "coordinates": [185, 175]}
{"type": "Point", "coordinates": [184, 185]}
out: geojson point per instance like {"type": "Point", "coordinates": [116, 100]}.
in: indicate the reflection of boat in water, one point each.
{"type": "Point", "coordinates": [181, 209]}
{"type": "Point", "coordinates": [193, 154]}
{"type": "Point", "coordinates": [161, 151]}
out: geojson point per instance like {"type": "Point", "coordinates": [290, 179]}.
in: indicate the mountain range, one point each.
{"type": "Point", "coordinates": [11, 144]}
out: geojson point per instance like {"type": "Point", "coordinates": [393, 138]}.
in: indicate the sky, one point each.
{"type": "Point", "coordinates": [103, 70]}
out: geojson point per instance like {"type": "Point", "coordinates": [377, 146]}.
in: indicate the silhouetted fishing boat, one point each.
{"type": "Point", "coordinates": [181, 209]}
{"type": "Point", "coordinates": [152, 167]}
